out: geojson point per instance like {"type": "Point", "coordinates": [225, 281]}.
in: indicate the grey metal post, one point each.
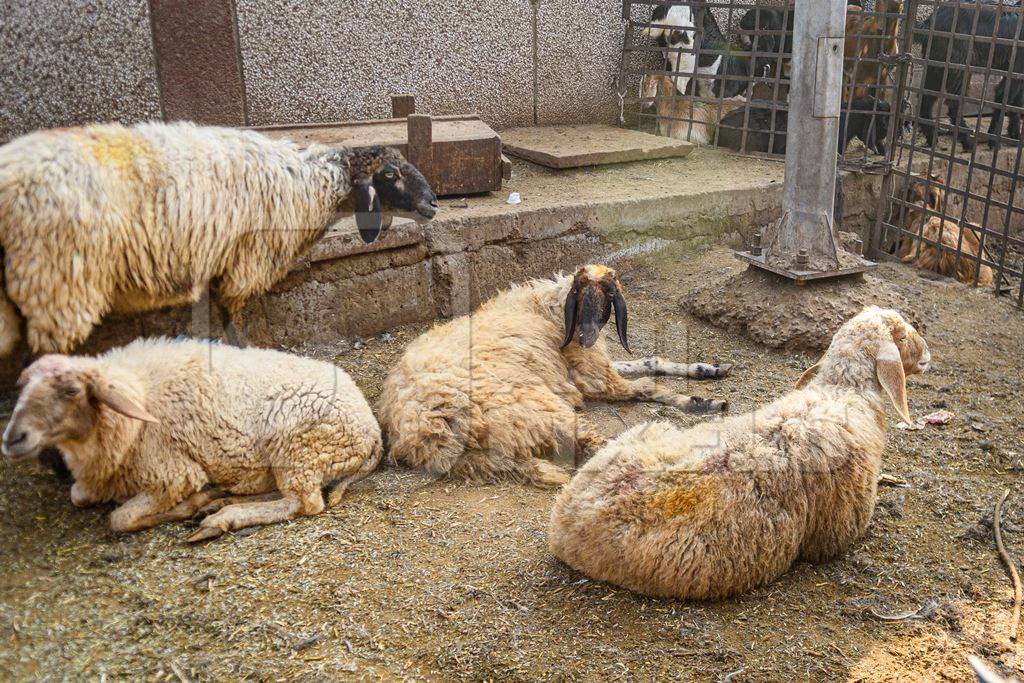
{"type": "Point", "coordinates": [802, 244]}
{"type": "Point", "coordinates": [816, 83]}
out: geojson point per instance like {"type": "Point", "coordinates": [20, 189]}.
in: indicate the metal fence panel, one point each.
{"type": "Point", "coordinates": [952, 205]}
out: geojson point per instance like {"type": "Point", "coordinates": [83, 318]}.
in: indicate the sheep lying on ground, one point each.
{"type": "Point", "coordinates": [487, 396]}
{"type": "Point", "coordinates": [922, 251]}
{"type": "Point", "coordinates": [718, 509]}
{"type": "Point", "coordinates": [106, 218]}
{"type": "Point", "coordinates": [169, 427]}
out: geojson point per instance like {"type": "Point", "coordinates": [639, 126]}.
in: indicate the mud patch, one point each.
{"type": "Point", "coordinates": [781, 315]}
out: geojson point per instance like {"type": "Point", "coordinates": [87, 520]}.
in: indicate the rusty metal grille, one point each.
{"type": "Point", "coordinates": [952, 203]}
{"type": "Point", "coordinates": [716, 72]}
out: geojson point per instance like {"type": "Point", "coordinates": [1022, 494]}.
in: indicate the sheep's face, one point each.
{"type": "Point", "coordinates": [404, 191]}
{"type": "Point", "coordinates": [383, 185]}
{"type": "Point", "coordinates": [890, 342]}
{"type": "Point", "coordinates": [53, 406]}
{"type": "Point", "coordinates": [595, 292]}
{"type": "Point", "coordinates": [59, 401]}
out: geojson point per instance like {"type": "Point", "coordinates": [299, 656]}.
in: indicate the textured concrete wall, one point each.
{"type": "Point", "coordinates": [515, 62]}
{"type": "Point", "coordinates": [64, 63]}
{"type": "Point", "coordinates": [338, 60]}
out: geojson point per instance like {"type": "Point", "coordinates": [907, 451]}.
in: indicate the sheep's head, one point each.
{"type": "Point", "coordinates": [594, 293]}
{"type": "Point", "coordinates": [882, 337]}
{"type": "Point", "coordinates": [385, 185]}
{"type": "Point", "coordinates": [60, 400]}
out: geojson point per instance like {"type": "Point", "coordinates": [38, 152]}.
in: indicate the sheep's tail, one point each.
{"type": "Point", "coordinates": [10, 320]}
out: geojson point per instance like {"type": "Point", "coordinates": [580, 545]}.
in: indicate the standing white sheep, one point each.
{"type": "Point", "coordinates": [167, 428]}
{"type": "Point", "coordinates": [490, 395]}
{"type": "Point", "coordinates": [723, 507]}
{"type": "Point", "coordinates": [106, 218]}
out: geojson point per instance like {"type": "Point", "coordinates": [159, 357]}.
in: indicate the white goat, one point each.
{"type": "Point", "coordinates": [723, 507]}
{"type": "Point", "coordinates": [106, 218]}
{"type": "Point", "coordinates": [168, 428]}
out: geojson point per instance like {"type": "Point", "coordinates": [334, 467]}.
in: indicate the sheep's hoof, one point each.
{"type": "Point", "coordinates": [205, 533]}
{"type": "Point", "coordinates": [706, 405]}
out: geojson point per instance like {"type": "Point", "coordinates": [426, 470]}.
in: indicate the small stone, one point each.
{"type": "Point", "coordinates": [357, 344]}
{"type": "Point", "coordinates": [111, 556]}
{"type": "Point", "coordinates": [986, 446]}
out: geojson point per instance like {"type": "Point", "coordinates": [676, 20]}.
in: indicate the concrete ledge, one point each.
{"type": "Point", "coordinates": [479, 245]}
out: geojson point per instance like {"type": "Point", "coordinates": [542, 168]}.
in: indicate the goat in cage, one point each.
{"type": "Point", "coordinates": [949, 78]}
{"type": "Point", "coordinates": [931, 242]}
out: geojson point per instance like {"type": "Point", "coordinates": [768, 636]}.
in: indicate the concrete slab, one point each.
{"type": "Point", "coordinates": [589, 145]}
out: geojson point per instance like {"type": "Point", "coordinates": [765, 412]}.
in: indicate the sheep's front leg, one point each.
{"type": "Point", "coordinates": [241, 515]}
{"type": "Point", "coordinates": [646, 390]}
{"type": "Point", "coordinates": [597, 379]}
{"type": "Point", "coordinates": [657, 366]}
{"type": "Point", "coordinates": [145, 510]}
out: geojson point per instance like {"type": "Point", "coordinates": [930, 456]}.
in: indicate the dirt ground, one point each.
{"type": "Point", "coordinates": [421, 579]}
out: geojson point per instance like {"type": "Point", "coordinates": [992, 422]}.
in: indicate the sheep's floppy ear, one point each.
{"type": "Point", "coordinates": [808, 375]}
{"type": "Point", "coordinates": [889, 370]}
{"type": "Point", "coordinates": [119, 400]}
{"type": "Point", "coordinates": [369, 219]}
{"type": "Point", "coordinates": [621, 319]}
{"type": "Point", "coordinates": [572, 309]}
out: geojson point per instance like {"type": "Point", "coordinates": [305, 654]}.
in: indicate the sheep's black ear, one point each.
{"type": "Point", "coordinates": [369, 219]}
{"type": "Point", "coordinates": [621, 319]}
{"type": "Point", "coordinates": [572, 307]}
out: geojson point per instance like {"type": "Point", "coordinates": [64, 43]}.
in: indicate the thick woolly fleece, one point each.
{"type": "Point", "coordinates": [246, 420]}
{"type": "Point", "coordinates": [488, 396]}
{"type": "Point", "coordinates": [720, 508]}
{"type": "Point", "coordinates": [107, 218]}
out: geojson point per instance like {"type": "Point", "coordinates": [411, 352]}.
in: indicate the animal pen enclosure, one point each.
{"type": "Point", "coordinates": [719, 73]}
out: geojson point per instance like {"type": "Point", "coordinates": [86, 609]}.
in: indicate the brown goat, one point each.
{"type": "Point", "coordinates": [684, 118]}
{"type": "Point", "coordinates": [922, 251]}
{"type": "Point", "coordinates": [870, 35]}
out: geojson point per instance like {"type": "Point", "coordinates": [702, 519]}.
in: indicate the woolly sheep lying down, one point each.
{"type": "Point", "coordinates": [490, 395]}
{"type": "Point", "coordinates": [170, 428]}
{"type": "Point", "coordinates": [718, 509]}
{"type": "Point", "coordinates": [106, 218]}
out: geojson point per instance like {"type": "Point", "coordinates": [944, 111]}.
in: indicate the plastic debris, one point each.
{"type": "Point", "coordinates": [939, 417]}
{"type": "Point", "coordinates": [515, 198]}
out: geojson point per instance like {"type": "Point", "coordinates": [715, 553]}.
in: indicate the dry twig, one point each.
{"type": "Point", "coordinates": [1011, 566]}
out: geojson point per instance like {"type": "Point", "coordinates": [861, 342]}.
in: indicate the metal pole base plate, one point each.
{"type": "Point", "coordinates": [849, 267]}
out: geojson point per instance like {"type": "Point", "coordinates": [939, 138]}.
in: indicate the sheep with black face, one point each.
{"type": "Point", "coordinates": [107, 218]}
{"type": "Point", "coordinates": [493, 395]}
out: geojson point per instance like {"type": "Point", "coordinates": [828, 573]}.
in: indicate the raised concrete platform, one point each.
{"type": "Point", "coordinates": [478, 245]}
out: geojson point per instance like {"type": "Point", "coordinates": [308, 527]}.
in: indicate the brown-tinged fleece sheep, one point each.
{"type": "Point", "coordinates": [923, 250]}
{"type": "Point", "coordinates": [487, 396]}
{"type": "Point", "coordinates": [718, 509]}
{"type": "Point", "coordinates": [167, 428]}
{"type": "Point", "coordinates": [106, 218]}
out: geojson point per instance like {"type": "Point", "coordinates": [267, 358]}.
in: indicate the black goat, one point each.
{"type": "Point", "coordinates": [960, 53]}
{"type": "Point", "coordinates": [868, 121]}
{"type": "Point", "coordinates": [768, 33]}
